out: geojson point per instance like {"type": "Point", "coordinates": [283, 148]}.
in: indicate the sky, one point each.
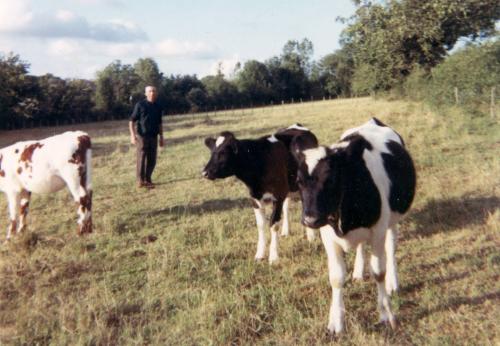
{"type": "Point", "coordinates": [76, 38]}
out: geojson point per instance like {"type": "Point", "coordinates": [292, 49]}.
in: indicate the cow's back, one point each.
{"type": "Point", "coordinates": [395, 161]}
{"type": "Point", "coordinates": [38, 166]}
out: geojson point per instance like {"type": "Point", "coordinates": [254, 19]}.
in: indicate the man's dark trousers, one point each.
{"type": "Point", "coordinates": [146, 157]}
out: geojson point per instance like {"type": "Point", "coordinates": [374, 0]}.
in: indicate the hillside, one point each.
{"type": "Point", "coordinates": [175, 265]}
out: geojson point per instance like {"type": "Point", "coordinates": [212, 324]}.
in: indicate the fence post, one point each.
{"type": "Point", "coordinates": [456, 95]}
{"type": "Point", "coordinates": [492, 103]}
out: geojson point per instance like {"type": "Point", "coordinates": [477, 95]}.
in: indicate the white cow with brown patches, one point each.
{"type": "Point", "coordinates": [46, 166]}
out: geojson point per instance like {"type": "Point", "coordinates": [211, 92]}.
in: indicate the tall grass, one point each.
{"type": "Point", "coordinates": [175, 265]}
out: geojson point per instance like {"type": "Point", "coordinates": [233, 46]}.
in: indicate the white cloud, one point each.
{"type": "Point", "coordinates": [64, 47]}
{"type": "Point", "coordinates": [114, 3]}
{"type": "Point", "coordinates": [119, 50]}
{"type": "Point", "coordinates": [17, 18]}
{"type": "Point", "coordinates": [66, 44]}
{"type": "Point", "coordinates": [170, 48]}
{"type": "Point", "coordinates": [227, 66]}
{"type": "Point", "coordinates": [14, 15]}
{"type": "Point", "coordinates": [65, 15]}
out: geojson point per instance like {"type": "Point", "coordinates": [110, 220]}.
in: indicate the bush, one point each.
{"type": "Point", "coordinates": [473, 70]}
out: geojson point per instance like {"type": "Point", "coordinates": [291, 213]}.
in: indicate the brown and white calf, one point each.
{"type": "Point", "coordinates": [46, 166]}
{"type": "Point", "coordinates": [269, 171]}
{"type": "Point", "coordinates": [356, 191]}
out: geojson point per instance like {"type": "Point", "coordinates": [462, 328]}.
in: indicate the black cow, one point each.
{"type": "Point", "coordinates": [267, 168]}
{"type": "Point", "coordinates": [356, 191]}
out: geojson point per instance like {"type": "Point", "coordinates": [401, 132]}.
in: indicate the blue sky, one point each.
{"type": "Point", "coordinates": [75, 38]}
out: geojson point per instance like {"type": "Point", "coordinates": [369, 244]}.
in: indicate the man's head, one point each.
{"type": "Point", "coordinates": [151, 93]}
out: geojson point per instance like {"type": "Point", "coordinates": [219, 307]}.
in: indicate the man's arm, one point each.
{"type": "Point", "coordinates": [161, 141]}
{"type": "Point", "coordinates": [131, 124]}
{"type": "Point", "coordinates": [133, 135]}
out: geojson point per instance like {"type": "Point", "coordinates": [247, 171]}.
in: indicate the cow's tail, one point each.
{"type": "Point", "coordinates": [87, 201]}
{"type": "Point", "coordinates": [88, 169]}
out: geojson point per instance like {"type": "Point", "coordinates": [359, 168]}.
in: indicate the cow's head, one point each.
{"type": "Point", "coordinates": [223, 159]}
{"type": "Point", "coordinates": [318, 178]}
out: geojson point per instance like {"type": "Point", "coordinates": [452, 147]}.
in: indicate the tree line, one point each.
{"type": "Point", "coordinates": [51, 100]}
{"type": "Point", "coordinates": [387, 46]}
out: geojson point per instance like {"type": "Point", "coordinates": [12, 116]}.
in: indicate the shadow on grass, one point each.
{"type": "Point", "coordinates": [453, 303]}
{"type": "Point", "coordinates": [188, 123]}
{"type": "Point", "coordinates": [210, 206]}
{"type": "Point", "coordinates": [109, 148]}
{"type": "Point", "coordinates": [417, 286]}
{"type": "Point", "coordinates": [450, 214]}
{"type": "Point", "coordinates": [181, 140]}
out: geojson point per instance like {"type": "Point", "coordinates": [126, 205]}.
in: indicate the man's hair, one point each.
{"type": "Point", "coordinates": [149, 87]}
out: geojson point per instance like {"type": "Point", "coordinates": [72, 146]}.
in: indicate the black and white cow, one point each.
{"type": "Point", "coordinates": [356, 191]}
{"type": "Point", "coordinates": [269, 171]}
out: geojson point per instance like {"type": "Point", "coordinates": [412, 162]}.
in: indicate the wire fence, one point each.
{"type": "Point", "coordinates": [29, 123]}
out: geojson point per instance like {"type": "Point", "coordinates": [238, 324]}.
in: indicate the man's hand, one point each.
{"type": "Point", "coordinates": [161, 142]}
{"type": "Point", "coordinates": [133, 140]}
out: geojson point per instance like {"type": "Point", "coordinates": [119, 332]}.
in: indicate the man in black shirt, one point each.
{"type": "Point", "coordinates": [145, 126]}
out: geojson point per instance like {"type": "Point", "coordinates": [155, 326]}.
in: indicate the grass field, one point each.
{"type": "Point", "coordinates": [175, 265]}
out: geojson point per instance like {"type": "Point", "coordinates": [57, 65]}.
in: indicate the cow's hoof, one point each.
{"type": "Point", "coordinates": [391, 287]}
{"type": "Point", "coordinates": [332, 334]}
{"type": "Point", "coordinates": [386, 324]}
{"type": "Point", "coordinates": [358, 278]}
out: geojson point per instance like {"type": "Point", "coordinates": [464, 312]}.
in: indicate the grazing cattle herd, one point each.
{"type": "Point", "coordinates": [354, 191]}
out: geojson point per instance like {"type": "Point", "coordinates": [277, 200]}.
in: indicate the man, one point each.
{"type": "Point", "coordinates": [145, 126]}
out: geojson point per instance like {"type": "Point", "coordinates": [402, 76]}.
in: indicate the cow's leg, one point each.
{"type": "Point", "coordinates": [285, 230]}
{"type": "Point", "coordinates": [337, 273]}
{"type": "Point", "coordinates": [310, 234]}
{"type": "Point", "coordinates": [359, 263]}
{"type": "Point", "coordinates": [377, 263]}
{"type": "Point", "coordinates": [13, 201]}
{"type": "Point", "coordinates": [82, 197]}
{"type": "Point", "coordinates": [24, 207]}
{"type": "Point", "coordinates": [274, 226]}
{"type": "Point", "coordinates": [260, 218]}
{"type": "Point", "coordinates": [391, 278]}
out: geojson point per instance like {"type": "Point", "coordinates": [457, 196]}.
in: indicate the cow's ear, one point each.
{"type": "Point", "coordinates": [234, 145]}
{"type": "Point", "coordinates": [298, 145]}
{"type": "Point", "coordinates": [210, 143]}
{"type": "Point", "coordinates": [297, 153]}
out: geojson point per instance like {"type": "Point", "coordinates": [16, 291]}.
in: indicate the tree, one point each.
{"type": "Point", "coordinates": [198, 99]}
{"type": "Point", "coordinates": [390, 38]}
{"type": "Point", "coordinates": [254, 82]}
{"type": "Point", "coordinates": [221, 93]}
{"type": "Point", "coordinates": [148, 73]}
{"type": "Point", "coordinates": [17, 89]}
{"type": "Point", "coordinates": [115, 87]}
{"type": "Point", "coordinates": [296, 56]}
{"type": "Point", "coordinates": [175, 90]}
{"type": "Point", "coordinates": [333, 73]}
{"type": "Point", "coordinates": [52, 90]}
